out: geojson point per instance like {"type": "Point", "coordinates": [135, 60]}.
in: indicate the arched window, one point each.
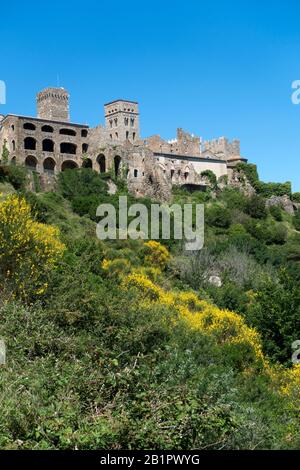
{"type": "Point", "coordinates": [29, 143]}
{"type": "Point", "coordinates": [87, 163]}
{"type": "Point", "coordinates": [47, 129]}
{"type": "Point", "coordinates": [84, 133]}
{"type": "Point", "coordinates": [117, 164]}
{"type": "Point", "coordinates": [13, 144]}
{"type": "Point", "coordinates": [126, 121]}
{"type": "Point", "coordinates": [102, 163]}
{"type": "Point", "coordinates": [13, 161]}
{"type": "Point", "coordinates": [132, 122]}
{"type": "Point", "coordinates": [69, 165]}
{"type": "Point", "coordinates": [31, 162]}
{"type": "Point", "coordinates": [67, 147]}
{"type": "Point", "coordinates": [172, 174]}
{"type": "Point", "coordinates": [49, 165]}
{"type": "Point", "coordinates": [29, 126]}
{"type": "Point", "coordinates": [67, 132]}
{"type": "Point", "coordinates": [85, 148]}
{"type": "Point", "coordinates": [135, 173]}
{"type": "Point", "coordinates": [48, 145]}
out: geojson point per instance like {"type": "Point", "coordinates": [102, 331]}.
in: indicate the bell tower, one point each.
{"type": "Point", "coordinates": [122, 120]}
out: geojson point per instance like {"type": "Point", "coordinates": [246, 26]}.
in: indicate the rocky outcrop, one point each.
{"type": "Point", "coordinates": [282, 201]}
{"type": "Point", "coordinates": [237, 179]}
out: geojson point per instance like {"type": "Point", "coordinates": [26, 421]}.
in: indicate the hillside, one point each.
{"type": "Point", "coordinates": [139, 344]}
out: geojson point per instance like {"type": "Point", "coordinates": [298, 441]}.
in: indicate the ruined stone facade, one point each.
{"type": "Point", "coordinates": [50, 143]}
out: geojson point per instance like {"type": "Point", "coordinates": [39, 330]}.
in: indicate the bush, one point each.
{"type": "Point", "coordinates": [296, 220]}
{"type": "Point", "coordinates": [156, 255]}
{"type": "Point", "coordinates": [273, 189]}
{"type": "Point", "coordinates": [250, 171]}
{"type": "Point", "coordinates": [210, 175]}
{"type": "Point", "coordinates": [275, 312]}
{"type": "Point", "coordinates": [278, 234]}
{"type": "Point", "coordinates": [81, 182]}
{"type": "Point", "coordinates": [256, 207]}
{"type": "Point", "coordinates": [276, 212]}
{"type": "Point", "coordinates": [218, 216]}
{"type": "Point", "coordinates": [234, 199]}
{"type": "Point", "coordinates": [28, 249]}
{"type": "Point", "coordinates": [15, 175]}
{"type": "Point", "coordinates": [296, 197]}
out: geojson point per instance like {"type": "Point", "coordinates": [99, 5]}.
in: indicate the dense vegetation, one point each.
{"type": "Point", "coordinates": [128, 344]}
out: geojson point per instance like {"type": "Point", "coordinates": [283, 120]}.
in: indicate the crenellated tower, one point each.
{"type": "Point", "coordinates": [53, 104]}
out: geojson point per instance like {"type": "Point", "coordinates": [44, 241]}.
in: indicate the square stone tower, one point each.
{"type": "Point", "coordinates": [53, 104]}
{"type": "Point", "coordinates": [122, 120]}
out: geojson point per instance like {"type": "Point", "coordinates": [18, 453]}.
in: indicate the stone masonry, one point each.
{"type": "Point", "coordinates": [50, 143]}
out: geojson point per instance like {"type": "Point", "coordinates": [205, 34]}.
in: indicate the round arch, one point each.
{"type": "Point", "coordinates": [101, 160]}
{"type": "Point", "coordinates": [31, 162]}
{"type": "Point", "coordinates": [87, 163]}
{"type": "Point", "coordinates": [49, 165]}
{"type": "Point", "coordinates": [117, 165]}
{"type": "Point", "coordinates": [69, 165]}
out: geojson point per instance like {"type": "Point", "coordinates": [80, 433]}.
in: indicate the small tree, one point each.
{"type": "Point", "coordinates": [5, 153]}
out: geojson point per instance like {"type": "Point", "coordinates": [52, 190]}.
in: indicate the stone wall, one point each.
{"type": "Point", "coordinates": [53, 104]}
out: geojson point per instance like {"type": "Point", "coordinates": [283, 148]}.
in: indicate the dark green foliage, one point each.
{"type": "Point", "coordinates": [296, 220]}
{"type": "Point", "coordinates": [276, 212]}
{"type": "Point", "coordinates": [250, 171]}
{"type": "Point", "coordinates": [218, 216]}
{"type": "Point", "coordinates": [273, 189]}
{"type": "Point", "coordinates": [275, 312]}
{"type": "Point", "coordinates": [5, 154]}
{"type": "Point", "coordinates": [210, 175]}
{"type": "Point", "coordinates": [264, 189]}
{"type": "Point", "coordinates": [13, 174]}
{"type": "Point", "coordinates": [296, 197]}
{"type": "Point", "coordinates": [81, 182]}
{"type": "Point", "coordinates": [256, 207]}
{"type": "Point", "coordinates": [234, 199]}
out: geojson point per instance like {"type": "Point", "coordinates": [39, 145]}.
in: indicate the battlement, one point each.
{"type": "Point", "coordinates": [184, 144]}
{"type": "Point", "coordinates": [222, 147]}
{"type": "Point", "coordinates": [53, 104]}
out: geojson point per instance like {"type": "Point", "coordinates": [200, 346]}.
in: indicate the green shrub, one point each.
{"type": "Point", "coordinates": [210, 175]}
{"type": "Point", "coordinates": [276, 212]}
{"type": "Point", "coordinates": [296, 197]}
{"type": "Point", "coordinates": [256, 207]}
{"type": "Point", "coordinates": [250, 171]}
{"type": "Point", "coordinates": [218, 216]}
{"type": "Point", "coordinates": [234, 199]}
{"type": "Point", "coordinates": [81, 182]}
{"type": "Point", "coordinates": [273, 189]}
{"type": "Point", "coordinates": [15, 175]}
{"type": "Point", "coordinates": [296, 220]}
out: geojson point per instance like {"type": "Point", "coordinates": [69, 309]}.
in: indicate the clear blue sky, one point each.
{"type": "Point", "coordinates": [213, 68]}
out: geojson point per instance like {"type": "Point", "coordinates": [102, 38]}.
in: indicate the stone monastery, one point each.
{"type": "Point", "coordinates": [50, 143]}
